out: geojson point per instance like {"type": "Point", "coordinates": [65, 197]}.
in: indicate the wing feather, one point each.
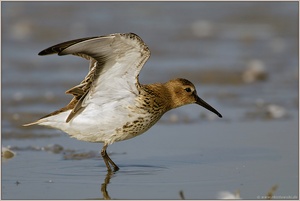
{"type": "Point", "coordinates": [115, 63]}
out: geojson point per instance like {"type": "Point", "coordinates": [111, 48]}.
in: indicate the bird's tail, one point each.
{"type": "Point", "coordinates": [33, 123]}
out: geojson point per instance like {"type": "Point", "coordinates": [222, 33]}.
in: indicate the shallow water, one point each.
{"type": "Point", "coordinates": [254, 147]}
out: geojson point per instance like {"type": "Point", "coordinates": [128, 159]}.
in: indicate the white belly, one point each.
{"type": "Point", "coordinates": [109, 123]}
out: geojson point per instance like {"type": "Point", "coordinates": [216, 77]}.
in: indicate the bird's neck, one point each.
{"type": "Point", "coordinates": [158, 96]}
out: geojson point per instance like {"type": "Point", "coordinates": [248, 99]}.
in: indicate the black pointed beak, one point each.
{"type": "Point", "coordinates": [204, 104]}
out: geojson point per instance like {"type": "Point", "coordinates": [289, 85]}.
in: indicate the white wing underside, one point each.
{"type": "Point", "coordinates": [115, 63]}
{"type": "Point", "coordinates": [116, 60]}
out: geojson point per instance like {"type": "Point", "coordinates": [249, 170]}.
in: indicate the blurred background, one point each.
{"type": "Point", "coordinates": [242, 57]}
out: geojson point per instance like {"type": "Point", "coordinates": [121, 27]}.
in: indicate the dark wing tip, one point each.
{"type": "Point", "coordinates": [57, 49]}
{"type": "Point", "coordinates": [46, 52]}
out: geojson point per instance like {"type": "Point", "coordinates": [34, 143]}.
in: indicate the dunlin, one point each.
{"type": "Point", "coordinates": [110, 104]}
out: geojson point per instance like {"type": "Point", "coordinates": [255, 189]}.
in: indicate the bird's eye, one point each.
{"type": "Point", "coordinates": [188, 89]}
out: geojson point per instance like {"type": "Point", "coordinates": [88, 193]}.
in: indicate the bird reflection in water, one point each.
{"type": "Point", "coordinates": [104, 185]}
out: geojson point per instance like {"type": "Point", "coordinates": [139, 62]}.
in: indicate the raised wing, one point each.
{"type": "Point", "coordinates": [115, 63]}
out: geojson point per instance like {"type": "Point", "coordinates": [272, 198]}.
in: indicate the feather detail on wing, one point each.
{"type": "Point", "coordinates": [115, 63]}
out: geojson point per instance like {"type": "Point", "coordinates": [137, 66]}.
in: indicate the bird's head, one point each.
{"type": "Point", "coordinates": [183, 92]}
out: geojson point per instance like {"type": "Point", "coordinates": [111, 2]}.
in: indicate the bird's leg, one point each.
{"type": "Point", "coordinates": [116, 168]}
{"type": "Point", "coordinates": [108, 160]}
{"type": "Point", "coordinates": [104, 156]}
